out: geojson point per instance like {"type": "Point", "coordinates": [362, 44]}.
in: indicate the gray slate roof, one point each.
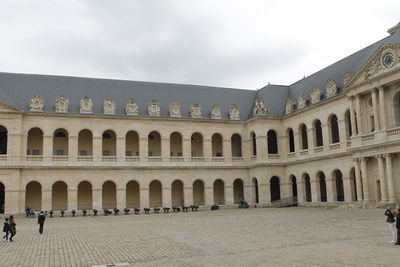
{"type": "Point", "coordinates": [17, 89]}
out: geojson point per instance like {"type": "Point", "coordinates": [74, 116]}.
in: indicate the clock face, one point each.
{"type": "Point", "coordinates": [387, 59]}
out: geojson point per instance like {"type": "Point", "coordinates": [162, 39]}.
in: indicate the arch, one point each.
{"type": "Point", "coordinates": [256, 196]}
{"type": "Point", "coordinates": [198, 193]}
{"type": "Point", "coordinates": [353, 185]}
{"type": "Point", "coordinates": [85, 143]}
{"type": "Point", "coordinates": [85, 196]}
{"type": "Point", "coordinates": [307, 187]}
{"type": "Point", "coordinates": [109, 195]}
{"type": "Point", "coordinates": [334, 129]}
{"type": "Point", "coordinates": [238, 191]}
{"type": "Point", "coordinates": [132, 194]}
{"type": "Point", "coordinates": [339, 185]}
{"type": "Point", "coordinates": [3, 140]}
{"type": "Point", "coordinates": [175, 144]}
{"type": "Point", "coordinates": [197, 145]}
{"type": "Point", "coordinates": [2, 197]}
{"type": "Point", "coordinates": [216, 144]}
{"type": "Point", "coordinates": [154, 139]}
{"type": "Point", "coordinates": [347, 118]}
{"type": "Point", "coordinates": [304, 137]}
{"type": "Point", "coordinates": [177, 193]}
{"type": "Point", "coordinates": [35, 142]}
{"type": "Point", "coordinates": [293, 187]}
{"type": "Point", "coordinates": [155, 194]}
{"type": "Point", "coordinates": [254, 143]}
{"type": "Point", "coordinates": [219, 192]}
{"type": "Point", "coordinates": [319, 140]}
{"type": "Point", "coordinates": [272, 142]}
{"type": "Point", "coordinates": [236, 145]}
{"type": "Point", "coordinates": [322, 187]}
{"type": "Point", "coordinates": [109, 143]}
{"type": "Point", "coordinates": [60, 142]}
{"type": "Point", "coordinates": [396, 109]}
{"type": "Point", "coordinates": [132, 144]}
{"type": "Point", "coordinates": [59, 196]}
{"type": "Point", "coordinates": [291, 140]}
{"type": "Point", "coordinates": [275, 188]}
{"type": "Point", "coordinates": [33, 195]}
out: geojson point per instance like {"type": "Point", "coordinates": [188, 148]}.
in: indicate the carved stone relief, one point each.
{"type": "Point", "coordinates": [331, 89]}
{"type": "Point", "coordinates": [315, 95]}
{"type": "Point", "coordinates": [132, 108]}
{"type": "Point", "coordinates": [86, 105]}
{"type": "Point", "coordinates": [289, 106]}
{"type": "Point", "coordinates": [195, 111]}
{"type": "Point", "coordinates": [215, 112]}
{"type": "Point", "coordinates": [154, 109]}
{"type": "Point", "coordinates": [62, 104]}
{"type": "Point", "coordinates": [259, 108]}
{"type": "Point", "coordinates": [36, 103]}
{"type": "Point", "coordinates": [175, 110]}
{"type": "Point", "coordinates": [347, 78]}
{"type": "Point", "coordinates": [234, 112]}
{"type": "Point", "coordinates": [109, 107]}
{"type": "Point", "coordinates": [302, 101]}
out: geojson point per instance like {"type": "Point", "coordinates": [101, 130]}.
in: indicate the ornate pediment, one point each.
{"type": "Point", "coordinates": [86, 105]}
{"type": "Point", "coordinates": [153, 109]}
{"type": "Point", "coordinates": [234, 112]}
{"type": "Point", "coordinates": [384, 60]}
{"type": "Point", "coordinates": [259, 108]}
{"type": "Point", "coordinates": [302, 101]}
{"type": "Point", "coordinates": [215, 112]}
{"type": "Point", "coordinates": [195, 111]}
{"type": "Point", "coordinates": [315, 95]}
{"type": "Point", "coordinates": [62, 104]}
{"type": "Point", "coordinates": [289, 106]}
{"type": "Point", "coordinates": [132, 108]}
{"type": "Point", "coordinates": [36, 103]}
{"type": "Point", "coordinates": [109, 107]}
{"type": "Point", "coordinates": [331, 89]}
{"type": "Point", "coordinates": [175, 110]}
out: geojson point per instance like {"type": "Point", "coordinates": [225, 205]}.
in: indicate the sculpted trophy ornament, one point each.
{"type": "Point", "coordinates": [36, 103]}
{"type": "Point", "coordinates": [132, 108]}
{"type": "Point", "coordinates": [154, 109]}
{"type": "Point", "coordinates": [215, 113]}
{"type": "Point", "coordinates": [86, 105]}
{"type": "Point", "coordinates": [62, 104]}
{"type": "Point", "coordinates": [175, 110]}
{"type": "Point", "coordinates": [302, 101]}
{"type": "Point", "coordinates": [259, 108]}
{"type": "Point", "coordinates": [109, 107]}
{"type": "Point", "coordinates": [315, 95]}
{"type": "Point", "coordinates": [289, 106]}
{"type": "Point", "coordinates": [347, 78]}
{"type": "Point", "coordinates": [195, 111]}
{"type": "Point", "coordinates": [331, 89]}
{"type": "Point", "coordinates": [234, 112]}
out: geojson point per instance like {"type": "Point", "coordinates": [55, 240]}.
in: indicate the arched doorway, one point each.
{"type": "Point", "coordinates": [198, 193]}
{"type": "Point", "coordinates": [33, 196]}
{"type": "Point", "coordinates": [60, 142]}
{"type": "Point", "coordinates": [132, 195]}
{"type": "Point", "coordinates": [59, 196]}
{"type": "Point", "coordinates": [291, 140]}
{"type": "Point", "coordinates": [334, 129]}
{"type": "Point", "coordinates": [272, 140]}
{"type": "Point", "coordinates": [307, 185]}
{"type": "Point", "coordinates": [216, 145]}
{"type": "Point", "coordinates": [109, 195]}
{"type": "Point", "coordinates": [2, 197]}
{"type": "Point", "coordinates": [85, 196]}
{"type": "Point", "coordinates": [219, 194]}
{"type": "Point", "coordinates": [237, 191]}
{"type": "Point", "coordinates": [177, 193]}
{"type": "Point", "coordinates": [322, 187]}
{"type": "Point", "coordinates": [236, 146]}
{"type": "Point", "coordinates": [319, 141]}
{"type": "Point", "coordinates": [3, 140]}
{"type": "Point", "coordinates": [131, 144]}
{"type": "Point", "coordinates": [154, 145]}
{"type": "Point", "coordinates": [175, 140]}
{"type": "Point", "coordinates": [256, 197]}
{"type": "Point", "coordinates": [155, 192]}
{"type": "Point", "coordinates": [254, 143]}
{"type": "Point", "coordinates": [293, 182]}
{"type": "Point", "coordinates": [109, 144]}
{"type": "Point", "coordinates": [353, 185]}
{"type": "Point", "coordinates": [339, 186]}
{"type": "Point", "coordinates": [275, 188]}
{"type": "Point", "coordinates": [85, 143]}
{"type": "Point", "coordinates": [35, 142]}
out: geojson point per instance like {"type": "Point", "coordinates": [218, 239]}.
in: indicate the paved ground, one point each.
{"type": "Point", "coordinates": [253, 237]}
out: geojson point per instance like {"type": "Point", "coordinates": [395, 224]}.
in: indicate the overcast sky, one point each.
{"type": "Point", "coordinates": [229, 43]}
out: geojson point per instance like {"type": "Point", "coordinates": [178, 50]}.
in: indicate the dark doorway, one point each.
{"type": "Point", "coordinates": [275, 188]}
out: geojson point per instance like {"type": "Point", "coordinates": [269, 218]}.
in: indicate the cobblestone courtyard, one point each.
{"type": "Point", "coordinates": [253, 237]}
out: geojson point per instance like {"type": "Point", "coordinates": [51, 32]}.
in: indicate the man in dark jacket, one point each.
{"type": "Point", "coordinates": [41, 219]}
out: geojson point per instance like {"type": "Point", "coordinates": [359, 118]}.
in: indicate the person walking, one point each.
{"type": "Point", "coordinates": [391, 213]}
{"type": "Point", "coordinates": [41, 219]}
{"type": "Point", "coordinates": [6, 229]}
{"type": "Point", "coordinates": [13, 228]}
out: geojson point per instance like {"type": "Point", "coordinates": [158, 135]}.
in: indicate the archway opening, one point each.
{"type": "Point", "coordinates": [109, 142]}
{"type": "Point", "coordinates": [216, 141]}
{"type": "Point", "coordinates": [176, 144]}
{"type": "Point", "coordinates": [2, 197]}
{"type": "Point", "coordinates": [154, 144]}
{"type": "Point", "coordinates": [85, 143]}
{"type": "Point", "coordinates": [275, 188]}
{"type": "Point", "coordinates": [35, 142]}
{"type": "Point", "coordinates": [293, 182]}
{"type": "Point", "coordinates": [339, 186]}
{"type": "Point", "coordinates": [353, 185]}
{"type": "Point", "coordinates": [3, 140]}
{"type": "Point", "coordinates": [155, 192]}
{"type": "Point", "coordinates": [236, 145]}
{"type": "Point", "coordinates": [307, 184]}
{"type": "Point", "coordinates": [322, 187]}
{"type": "Point", "coordinates": [60, 142]}
{"type": "Point", "coordinates": [197, 145]}
{"type": "Point", "coordinates": [319, 141]}
{"type": "Point", "coordinates": [254, 143]}
{"type": "Point", "coordinates": [349, 130]}
{"type": "Point", "coordinates": [85, 196]}
{"type": "Point", "coordinates": [238, 192]}
{"type": "Point", "coordinates": [256, 197]}
{"type": "Point", "coordinates": [132, 144]}
{"type": "Point", "coordinates": [109, 195]}
{"type": "Point", "coordinates": [304, 138]}
{"type": "Point", "coordinates": [33, 196]}
{"type": "Point", "coordinates": [333, 121]}
{"type": "Point", "coordinates": [132, 195]}
{"type": "Point", "coordinates": [219, 194]}
{"type": "Point", "coordinates": [291, 140]}
{"type": "Point", "coordinates": [198, 193]}
{"type": "Point", "coordinates": [59, 196]}
{"type": "Point", "coordinates": [272, 142]}
{"type": "Point", "coordinates": [396, 109]}
{"type": "Point", "coordinates": [177, 193]}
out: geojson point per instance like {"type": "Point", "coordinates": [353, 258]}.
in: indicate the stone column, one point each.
{"type": "Point", "coordinates": [262, 146]}
{"type": "Point", "coordinates": [342, 131]}
{"type": "Point", "coordinates": [16, 147]}
{"type": "Point", "coordinates": [97, 198]}
{"type": "Point", "coordinates": [97, 149]}
{"type": "Point", "coordinates": [348, 193]}
{"type": "Point", "coordinates": [166, 197]}
{"type": "Point", "coordinates": [315, 190]}
{"type": "Point", "coordinates": [46, 199]}
{"type": "Point", "coordinates": [188, 195]}
{"type": "Point", "coordinates": [264, 193]}
{"type": "Point", "coordinates": [121, 149]}
{"type": "Point", "coordinates": [310, 137]}
{"type": "Point", "coordinates": [209, 195]}
{"type": "Point", "coordinates": [358, 179]}
{"type": "Point", "coordinates": [121, 198]}
{"type": "Point", "coordinates": [247, 192]}
{"type": "Point", "coordinates": [358, 117]}
{"type": "Point", "coordinates": [301, 196]}
{"type": "Point", "coordinates": [331, 193]}
{"type": "Point", "coordinates": [165, 149]}
{"type": "Point", "coordinates": [353, 118]}
{"type": "Point", "coordinates": [297, 141]}
{"type": "Point", "coordinates": [382, 106]}
{"type": "Point", "coordinates": [47, 148]}
{"type": "Point", "coordinates": [364, 176]}
{"type": "Point", "coordinates": [143, 149]}
{"type": "Point", "coordinates": [382, 179]}
{"type": "Point", "coordinates": [187, 149]}
{"type": "Point", "coordinates": [227, 150]}
{"type": "Point", "coordinates": [389, 173]}
{"type": "Point", "coordinates": [228, 192]}
{"type": "Point", "coordinates": [24, 148]}
{"type": "Point", "coordinates": [246, 146]}
{"type": "Point", "coordinates": [326, 135]}
{"type": "Point", "coordinates": [375, 109]}
{"type": "Point", "coordinates": [144, 197]}
{"type": "Point", "coordinates": [207, 149]}
{"type": "Point", "coordinates": [72, 199]}
{"type": "Point", "coordinates": [11, 202]}
{"type": "Point", "coordinates": [73, 148]}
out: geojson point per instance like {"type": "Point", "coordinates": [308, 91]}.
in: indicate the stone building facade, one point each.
{"type": "Point", "coordinates": [78, 143]}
